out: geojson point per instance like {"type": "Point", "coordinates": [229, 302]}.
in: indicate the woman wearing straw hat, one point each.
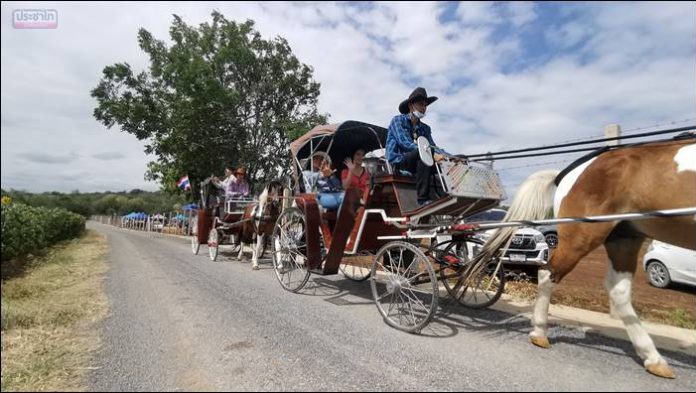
{"type": "Point", "coordinates": [238, 188]}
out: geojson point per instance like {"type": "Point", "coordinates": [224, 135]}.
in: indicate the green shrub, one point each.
{"type": "Point", "coordinates": [27, 230]}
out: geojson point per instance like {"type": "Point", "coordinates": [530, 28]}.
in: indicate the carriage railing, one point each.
{"type": "Point", "coordinates": [237, 205]}
{"type": "Point", "coordinates": [466, 180]}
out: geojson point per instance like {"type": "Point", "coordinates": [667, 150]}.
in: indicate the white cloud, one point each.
{"type": "Point", "coordinates": [521, 12]}
{"type": "Point", "coordinates": [477, 12]}
{"type": "Point", "coordinates": [602, 63]}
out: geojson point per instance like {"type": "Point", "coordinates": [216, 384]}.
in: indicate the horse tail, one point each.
{"type": "Point", "coordinates": [533, 201]}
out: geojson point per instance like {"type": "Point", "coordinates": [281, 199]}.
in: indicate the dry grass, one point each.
{"type": "Point", "coordinates": [48, 315]}
{"type": "Point", "coordinates": [523, 289]}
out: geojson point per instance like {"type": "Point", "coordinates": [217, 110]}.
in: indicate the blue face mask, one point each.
{"type": "Point", "coordinates": [418, 114]}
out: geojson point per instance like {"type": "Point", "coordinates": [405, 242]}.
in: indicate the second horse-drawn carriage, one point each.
{"type": "Point", "coordinates": [384, 222]}
{"type": "Point", "coordinates": [235, 221]}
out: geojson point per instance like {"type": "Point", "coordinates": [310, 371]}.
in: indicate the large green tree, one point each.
{"type": "Point", "coordinates": [219, 94]}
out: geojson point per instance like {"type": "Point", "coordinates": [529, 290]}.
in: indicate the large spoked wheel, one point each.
{"type": "Point", "coordinates": [213, 244]}
{"type": "Point", "coordinates": [289, 245]}
{"type": "Point", "coordinates": [195, 246]}
{"type": "Point", "coordinates": [356, 268]}
{"type": "Point", "coordinates": [474, 287]}
{"type": "Point", "coordinates": [404, 286]}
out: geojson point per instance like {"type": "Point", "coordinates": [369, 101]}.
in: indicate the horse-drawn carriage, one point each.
{"type": "Point", "coordinates": [386, 223]}
{"type": "Point", "coordinates": [413, 248]}
{"type": "Point", "coordinates": [234, 221]}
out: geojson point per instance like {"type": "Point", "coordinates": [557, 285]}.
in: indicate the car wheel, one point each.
{"type": "Point", "coordinates": [658, 275]}
{"type": "Point", "coordinates": [551, 239]}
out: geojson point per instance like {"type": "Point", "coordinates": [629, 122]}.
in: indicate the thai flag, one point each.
{"type": "Point", "coordinates": [183, 183]}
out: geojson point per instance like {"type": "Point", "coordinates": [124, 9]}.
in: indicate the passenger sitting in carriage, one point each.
{"type": "Point", "coordinates": [355, 175]}
{"type": "Point", "coordinates": [330, 193]}
{"type": "Point", "coordinates": [311, 175]}
{"type": "Point", "coordinates": [229, 177]}
{"type": "Point", "coordinates": [239, 188]}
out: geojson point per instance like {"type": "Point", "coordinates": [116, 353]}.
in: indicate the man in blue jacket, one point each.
{"type": "Point", "coordinates": [402, 150]}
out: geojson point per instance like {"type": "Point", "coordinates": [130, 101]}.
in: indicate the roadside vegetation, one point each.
{"type": "Point", "coordinates": [50, 305]}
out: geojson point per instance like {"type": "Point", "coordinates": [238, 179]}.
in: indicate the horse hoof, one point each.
{"type": "Point", "coordinates": [661, 370]}
{"type": "Point", "coordinates": [542, 342]}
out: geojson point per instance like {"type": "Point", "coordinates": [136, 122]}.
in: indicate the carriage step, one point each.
{"type": "Point", "coordinates": [317, 271]}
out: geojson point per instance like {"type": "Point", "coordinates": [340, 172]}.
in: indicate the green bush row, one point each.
{"type": "Point", "coordinates": [26, 229]}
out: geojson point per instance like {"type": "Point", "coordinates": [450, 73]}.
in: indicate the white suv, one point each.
{"type": "Point", "coordinates": [528, 246]}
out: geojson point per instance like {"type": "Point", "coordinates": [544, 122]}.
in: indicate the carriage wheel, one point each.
{"type": "Point", "coordinates": [404, 286]}
{"type": "Point", "coordinates": [471, 287]}
{"type": "Point", "coordinates": [213, 244]}
{"type": "Point", "coordinates": [289, 246]}
{"type": "Point", "coordinates": [195, 246]}
{"type": "Point", "coordinates": [358, 273]}
{"type": "Point", "coordinates": [194, 226]}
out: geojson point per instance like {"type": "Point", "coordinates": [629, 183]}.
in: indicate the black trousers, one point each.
{"type": "Point", "coordinates": [413, 164]}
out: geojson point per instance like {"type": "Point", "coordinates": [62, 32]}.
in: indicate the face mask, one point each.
{"type": "Point", "coordinates": [418, 114]}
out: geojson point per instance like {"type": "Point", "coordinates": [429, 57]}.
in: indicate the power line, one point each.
{"type": "Point", "coordinates": [623, 132]}
{"type": "Point", "coordinates": [533, 165]}
{"type": "Point", "coordinates": [645, 134]}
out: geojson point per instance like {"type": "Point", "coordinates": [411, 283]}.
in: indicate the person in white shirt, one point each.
{"type": "Point", "coordinates": [223, 186]}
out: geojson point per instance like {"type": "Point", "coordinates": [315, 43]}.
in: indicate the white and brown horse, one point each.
{"type": "Point", "coordinates": [262, 217]}
{"type": "Point", "coordinates": [644, 177]}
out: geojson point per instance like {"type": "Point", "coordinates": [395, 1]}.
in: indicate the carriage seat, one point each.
{"type": "Point", "coordinates": [376, 164]}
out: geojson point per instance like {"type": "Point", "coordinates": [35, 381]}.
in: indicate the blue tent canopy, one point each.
{"type": "Point", "coordinates": [190, 206]}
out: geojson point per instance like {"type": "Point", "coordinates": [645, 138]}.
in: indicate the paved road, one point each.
{"type": "Point", "coordinates": [182, 322]}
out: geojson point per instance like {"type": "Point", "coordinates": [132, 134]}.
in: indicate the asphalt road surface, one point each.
{"type": "Point", "coordinates": [180, 322]}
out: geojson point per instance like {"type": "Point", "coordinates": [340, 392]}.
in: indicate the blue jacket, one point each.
{"type": "Point", "coordinates": [401, 138]}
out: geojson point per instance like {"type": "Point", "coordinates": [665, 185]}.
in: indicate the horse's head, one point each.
{"type": "Point", "coordinates": [270, 199]}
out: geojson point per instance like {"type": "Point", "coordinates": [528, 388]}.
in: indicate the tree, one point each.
{"type": "Point", "coordinates": [220, 94]}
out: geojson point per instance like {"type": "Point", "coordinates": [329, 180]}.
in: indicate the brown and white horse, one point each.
{"type": "Point", "coordinates": [262, 217]}
{"type": "Point", "coordinates": [644, 177]}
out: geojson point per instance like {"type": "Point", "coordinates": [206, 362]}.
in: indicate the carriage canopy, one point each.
{"type": "Point", "coordinates": [338, 140]}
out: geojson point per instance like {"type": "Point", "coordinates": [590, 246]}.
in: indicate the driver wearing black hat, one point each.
{"type": "Point", "coordinates": [402, 150]}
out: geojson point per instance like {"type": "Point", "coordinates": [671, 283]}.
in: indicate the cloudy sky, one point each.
{"type": "Point", "coordinates": [508, 75]}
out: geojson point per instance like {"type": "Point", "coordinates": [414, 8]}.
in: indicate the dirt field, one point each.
{"type": "Point", "coordinates": [584, 286]}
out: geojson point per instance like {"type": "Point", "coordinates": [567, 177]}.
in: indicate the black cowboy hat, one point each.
{"type": "Point", "coordinates": [418, 94]}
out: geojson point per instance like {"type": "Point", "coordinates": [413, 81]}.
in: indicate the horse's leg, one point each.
{"type": "Point", "coordinates": [241, 251]}
{"type": "Point", "coordinates": [623, 252]}
{"type": "Point", "coordinates": [573, 244]}
{"type": "Point", "coordinates": [257, 251]}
